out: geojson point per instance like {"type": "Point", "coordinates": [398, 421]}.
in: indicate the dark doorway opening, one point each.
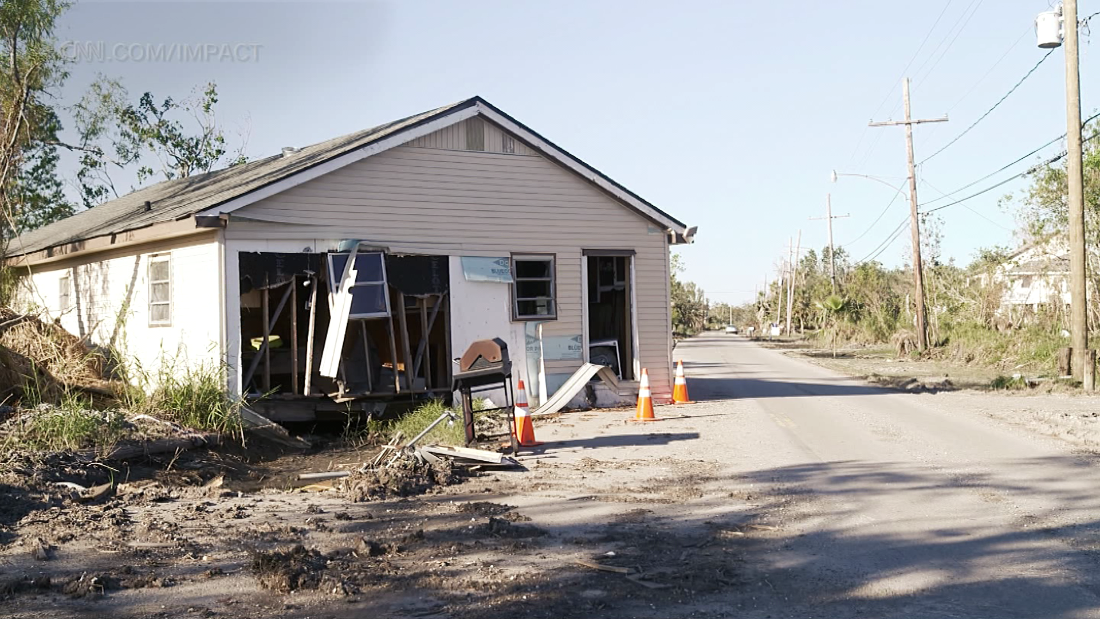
{"type": "Point", "coordinates": [610, 329]}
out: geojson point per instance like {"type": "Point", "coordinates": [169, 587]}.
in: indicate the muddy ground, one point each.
{"type": "Point", "coordinates": [759, 502]}
{"type": "Point", "coordinates": [578, 529]}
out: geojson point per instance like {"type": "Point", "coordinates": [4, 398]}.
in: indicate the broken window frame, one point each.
{"type": "Point", "coordinates": [153, 260]}
{"type": "Point", "coordinates": [518, 316]}
{"type": "Point", "coordinates": [334, 283]}
{"type": "Point", "coordinates": [340, 301]}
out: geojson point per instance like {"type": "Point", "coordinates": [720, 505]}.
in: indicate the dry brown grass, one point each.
{"type": "Point", "coordinates": [42, 362]}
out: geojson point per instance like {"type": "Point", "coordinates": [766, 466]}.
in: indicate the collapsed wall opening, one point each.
{"type": "Point", "coordinates": [391, 334]}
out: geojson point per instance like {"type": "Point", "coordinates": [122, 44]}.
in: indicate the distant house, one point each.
{"type": "Point", "coordinates": [372, 260]}
{"type": "Point", "coordinates": [1036, 274]}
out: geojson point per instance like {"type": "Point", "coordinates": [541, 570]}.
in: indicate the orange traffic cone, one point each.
{"type": "Point", "coordinates": [645, 400]}
{"type": "Point", "coordinates": [525, 429]}
{"type": "Point", "coordinates": [680, 386]}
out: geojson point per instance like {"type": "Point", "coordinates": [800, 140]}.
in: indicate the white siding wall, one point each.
{"type": "Point", "coordinates": [110, 300]}
{"type": "Point", "coordinates": [462, 203]}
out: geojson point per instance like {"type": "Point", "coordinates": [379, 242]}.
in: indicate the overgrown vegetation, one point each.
{"type": "Point", "coordinates": [193, 397]}
{"type": "Point", "coordinates": [446, 433]}
{"type": "Point", "coordinates": [414, 422]}
{"type": "Point", "coordinates": [689, 303]}
{"type": "Point", "coordinates": [72, 425]}
{"type": "Point", "coordinates": [968, 318]}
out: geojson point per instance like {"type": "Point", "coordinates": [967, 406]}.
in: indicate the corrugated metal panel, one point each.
{"type": "Point", "coordinates": [464, 203]}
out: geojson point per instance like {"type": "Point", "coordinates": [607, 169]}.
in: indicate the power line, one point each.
{"type": "Point", "coordinates": [877, 219]}
{"type": "Point", "coordinates": [990, 110]}
{"type": "Point", "coordinates": [883, 246]}
{"type": "Point", "coordinates": [996, 185]}
{"type": "Point", "coordinates": [977, 5]}
{"type": "Point", "coordinates": [903, 72]}
{"type": "Point", "coordinates": [1011, 163]}
{"type": "Point", "coordinates": [967, 207]}
{"type": "Point", "coordinates": [987, 73]}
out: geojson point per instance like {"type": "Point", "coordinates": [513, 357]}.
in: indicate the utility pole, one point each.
{"type": "Point", "coordinates": [1079, 332]}
{"type": "Point", "coordinates": [791, 271]}
{"type": "Point", "coordinates": [829, 217]}
{"type": "Point", "coordinates": [914, 223]}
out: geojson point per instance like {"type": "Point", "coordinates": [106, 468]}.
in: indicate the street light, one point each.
{"type": "Point", "coordinates": [834, 174]}
{"type": "Point", "coordinates": [1050, 31]}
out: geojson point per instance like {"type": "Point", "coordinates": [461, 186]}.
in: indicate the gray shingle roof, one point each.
{"type": "Point", "coordinates": [181, 198]}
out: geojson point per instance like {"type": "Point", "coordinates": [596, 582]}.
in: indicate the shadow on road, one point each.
{"type": "Point", "coordinates": [620, 440]}
{"type": "Point", "coordinates": [707, 388]}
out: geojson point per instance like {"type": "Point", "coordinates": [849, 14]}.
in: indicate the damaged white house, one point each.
{"type": "Point", "coordinates": [1035, 275]}
{"type": "Point", "coordinates": [357, 269]}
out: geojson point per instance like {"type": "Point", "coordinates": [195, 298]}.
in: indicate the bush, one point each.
{"type": "Point", "coordinates": [194, 397]}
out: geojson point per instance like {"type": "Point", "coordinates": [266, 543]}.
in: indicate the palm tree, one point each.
{"type": "Point", "coordinates": [833, 307]}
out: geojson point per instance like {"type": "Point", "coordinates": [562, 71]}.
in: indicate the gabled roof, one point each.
{"type": "Point", "coordinates": [223, 191]}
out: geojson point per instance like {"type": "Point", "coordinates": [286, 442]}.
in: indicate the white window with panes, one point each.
{"type": "Point", "coordinates": [64, 293]}
{"type": "Point", "coordinates": [533, 287]}
{"type": "Point", "coordinates": [160, 290]}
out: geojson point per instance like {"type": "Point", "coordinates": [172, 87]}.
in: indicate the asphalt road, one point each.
{"type": "Point", "coordinates": [901, 505]}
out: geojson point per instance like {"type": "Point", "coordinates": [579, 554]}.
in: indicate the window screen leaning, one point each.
{"type": "Point", "coordinates": [533, 287]}
{"type": "Point", "coordinates": [369, 294]}
{"type": "Point", "coordinates": [160, 290]}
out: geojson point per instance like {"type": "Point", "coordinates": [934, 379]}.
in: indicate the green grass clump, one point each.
{"type": "Point", "coordinates": [414, 422]}
{"type": "Point", "coordinates": [71, 426]}
{"type": "Point", "coordinates": [193, 397]}
{"type": "Point", "coordinates": [1002, 383]}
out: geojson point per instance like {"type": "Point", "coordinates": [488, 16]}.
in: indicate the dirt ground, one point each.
{"type": "Point", "coordinates": [720, 509]}
{"type": "Point", "coordinates": [578, 529]}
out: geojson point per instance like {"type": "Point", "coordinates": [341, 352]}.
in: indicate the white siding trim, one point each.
{"type": "Point", "coordinates": [635, 352]}
{"type": "Point", "coordinates": [397, 139]}
{"type": "Point", "coordinates": [585, 336]}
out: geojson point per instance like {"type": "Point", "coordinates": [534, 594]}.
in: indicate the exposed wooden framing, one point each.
{"type": "Point", "coordinates": [448, 365]}
{"type": "Point", "coordinates": [366, 353]}
{"type": "Point", "coordinates": [422, 303]}
{"type": "Point", "coordinates": [403, 320]}
{"type": "Point", "coordinates": [294, 334]}
{"type": "Point", "coordinates": [265, 349]}
{"type": "Point", "coordinates": [424, 340]}
{"type": "Point", "coordinates": [309, 338]}
{"type": "Point", "coordinates": [393, 353]}
{"type": "Point", "coordinates": [260, 354]}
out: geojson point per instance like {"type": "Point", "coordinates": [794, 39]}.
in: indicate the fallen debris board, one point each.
{"type": "Point", "coordinates": [479, 455]}
{"type": "Point", "coordinates": [324, 475]}
{"type": "Point", "coordinates": [96, 492]}
{"type": "Point", "coordinates": [264, 428]}
{"type": "Point", "coordinates": [645, 583]}
{"type": "Point", "coordinates": [604, 568]}
{"type": "Point", "coordinates": [574, 385]}
{"type": "Point", "coordinates": [150, 448]}
{"type": "Point", "coordinates": [505, 463]}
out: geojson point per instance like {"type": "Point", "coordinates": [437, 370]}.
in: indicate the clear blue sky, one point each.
{"type": "Point", "coordinates": [729, 115]}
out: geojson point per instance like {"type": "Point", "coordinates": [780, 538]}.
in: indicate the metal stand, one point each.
{"type": "Point", "coordinates": [468, 387]}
